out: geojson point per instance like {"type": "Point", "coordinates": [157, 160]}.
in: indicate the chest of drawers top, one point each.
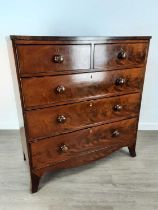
{"type": "Point", "coordinates": [57, 55]}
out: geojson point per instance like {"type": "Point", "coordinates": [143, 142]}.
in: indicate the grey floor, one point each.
{"type": "Point", "coordinates": [118, 182]}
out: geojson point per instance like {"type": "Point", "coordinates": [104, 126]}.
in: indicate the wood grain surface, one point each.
{"type": "Point", "coordinates": [41, 58]}
{"type": "Point", "coordinates": [107, 55]}
{"type": "Point", "coordinates": [49, 151]}
{"type": "Point", "coordinates": [43, 123]}
{"type": "Point", "coordinates": [79, 87]}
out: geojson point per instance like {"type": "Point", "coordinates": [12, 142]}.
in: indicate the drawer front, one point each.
{"type": "Point", "coordinates": [49, 58]}
{"type": "Point", "coordinates": [115, 56]}
{"type": "Point", "coordinates": [44, 91]}
{"type": "Point", "coordinates": [56, 149]}
{"type": "Point", "coordinates": [46, 122]}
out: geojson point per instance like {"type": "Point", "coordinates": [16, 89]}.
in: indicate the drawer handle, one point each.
{"type": "Point", "coordinates": [122, 54]}
{"type": "Point", "coordinates": [61, 119]}
{"type": "Point", "coordinates": [58, 58]}
{"type": "Point", "coordinates": [60, 89]}
{"type": "Point", "coordinates": [115, 133]}
{"type": "Point", "coordinates": [64, 148]}
{"type": "Point", "coordinates": [120, 81]}
{"type": "Point", "coordinates": [118, 107]}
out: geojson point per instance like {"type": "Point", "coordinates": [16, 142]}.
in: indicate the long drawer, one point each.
{"type": "Point", "coordinates": [47, 90]}
{"type": "Point", "coordinates": [52, 121]}
{"type": "Point", "coordinates": [120, 55]}
{"type": "Point", "coordinates": [50, 58]}
{"type": "Point", "coordinates": [60, 148]}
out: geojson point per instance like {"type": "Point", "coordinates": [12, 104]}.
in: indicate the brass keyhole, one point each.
{"type": "Point", "coordinates": [57, 50]}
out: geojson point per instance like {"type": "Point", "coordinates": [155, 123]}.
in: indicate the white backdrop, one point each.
{"type": "Point", "coordinates": [81, 17]}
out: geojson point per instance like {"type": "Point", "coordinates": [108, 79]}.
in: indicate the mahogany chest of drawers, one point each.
{"type": "Point", "coordinates": [80, 98]}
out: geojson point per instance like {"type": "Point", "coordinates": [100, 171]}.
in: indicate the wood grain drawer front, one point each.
{"type": "Point", "coordinates": [44, 91]}
{"type": "Point", "coordinates": [56, 149]}
{"type": "Point", "coordinates": [47, 58]}
{"type": "Point", "coordinates": [115, 56]}
{"type": "Point", "coordinates": [46, 122]}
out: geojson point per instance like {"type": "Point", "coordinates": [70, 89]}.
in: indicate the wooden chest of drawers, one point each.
{"type": "Point", "coordinates": [80, 98]}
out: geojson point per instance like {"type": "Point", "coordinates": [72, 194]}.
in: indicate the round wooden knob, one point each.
{"type": "Point", "coordinates": [120, 81]}
{"type": "Point", "coordinates": [122, 54]}
{"type": "Point", "coordinates": [60, 89]}
{"type": "Point", "coordinates": [61, 119]}
{"type": "Point", "coordinates": [115, 133]}
{"type": "Point", "coordinates": [118, 107]}
{"type": "Point", "coordinates": [58, 58]}
{"type": "Point", "coordinates": [64, 148]}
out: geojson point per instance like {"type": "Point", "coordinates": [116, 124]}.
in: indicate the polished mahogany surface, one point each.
{"type": "Point", "coordinates": [45, 122]}
{"type": "Point", "coordinates": [69, 88]}
{"type": "Point", "coordinates": [80, 98]}
{"type": "Point", "coordinates": [46, 58]}
{"type": "Point", "coordinates": [18, 38]}
{"type": "Point", "coordinates": [63, 147]}
{"type": "Point", "coordinates": [117, 55]}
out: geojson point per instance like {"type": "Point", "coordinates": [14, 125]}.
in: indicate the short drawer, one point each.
{"type": "Point", "coordinates": [49, 58]}
{"type": "Point", "coordinates": [120, 55]}
{"type": "Point", "coordinates": [47, 90]}
{"type": "Point", "coordinates": [47, 122]}
{"type": "Point", "coordinates": [52, 150]}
